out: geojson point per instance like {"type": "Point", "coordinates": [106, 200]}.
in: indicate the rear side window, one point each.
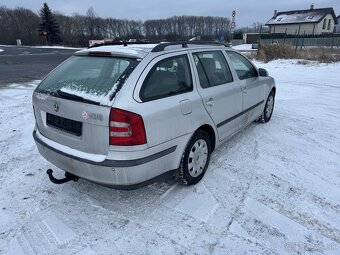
{"type": "Point", "coordinates": [168, 77]}
{"type": "Point", "coordinates": [212, 68]}
{"type": "Point", "coordinates": [87, 75]}
{"type": "Point", "coordinates": [243, 67]}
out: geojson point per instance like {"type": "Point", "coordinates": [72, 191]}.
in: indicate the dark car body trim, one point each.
{"type": "Point", "coordinates": [109, 162]}
{"type": "Point", "coordinates": [159, 178]}
{"type": "Point", "coordinates": [239, 114]}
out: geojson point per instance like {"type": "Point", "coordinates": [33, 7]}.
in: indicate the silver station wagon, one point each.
{"type": "Point", "coordinates": [125, 115]}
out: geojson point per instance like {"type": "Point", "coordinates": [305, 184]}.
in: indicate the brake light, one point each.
{"type": "Point", "coordinates": [126, 128]}
{"type": "Point", "coordinates": [99, 53]}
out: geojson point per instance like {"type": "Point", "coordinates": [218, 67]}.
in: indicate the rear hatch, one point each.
{"type": "Point", "coordinates": [72, 104]}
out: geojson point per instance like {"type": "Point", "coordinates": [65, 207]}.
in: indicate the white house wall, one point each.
{"type": "Point", "coordinates": [306, 28]}
{"type": "Point", "coordinates": [320, 30]}
{"type": "Point", "coordinates": [337, 27]}
{"type": "Point", "coordinates": [293, 29]}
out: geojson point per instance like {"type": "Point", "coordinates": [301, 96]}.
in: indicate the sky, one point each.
{"type": "Point", "coordinates": [247, 11]}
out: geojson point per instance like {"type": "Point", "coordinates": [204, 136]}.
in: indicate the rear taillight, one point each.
{"type": "Point", "coordinates": [126, 128]}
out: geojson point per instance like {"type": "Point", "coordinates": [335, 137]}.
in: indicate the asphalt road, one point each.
{"type": "Point", "coordinates": [20, 64]}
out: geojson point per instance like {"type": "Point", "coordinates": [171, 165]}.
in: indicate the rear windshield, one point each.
{"type": "Point", "coordinates": [85, 76]}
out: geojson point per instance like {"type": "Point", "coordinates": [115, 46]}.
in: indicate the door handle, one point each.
{"type": "Point", "coordinates": [245, 90]}
{"type": "Point", "coordinates": [210, 102]}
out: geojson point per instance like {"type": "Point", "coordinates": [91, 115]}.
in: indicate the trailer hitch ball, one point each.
{"type": "Point", "coordinates": [68, 177]}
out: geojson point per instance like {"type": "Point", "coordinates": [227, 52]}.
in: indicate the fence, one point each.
{"type": "Point", "coordinates": [331, 41]}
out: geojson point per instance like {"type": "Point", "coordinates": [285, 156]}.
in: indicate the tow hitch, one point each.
{"type": "Point", "coordinates": [68, 177]}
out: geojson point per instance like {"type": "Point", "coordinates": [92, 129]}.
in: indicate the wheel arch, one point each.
{"type": "Point", "coordinates": [274, 90]}
{"type": "Point", "coordinates": [211, 132]}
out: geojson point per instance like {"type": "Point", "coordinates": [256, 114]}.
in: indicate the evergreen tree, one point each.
{"type": "Point", "coordinates": [48, 24]}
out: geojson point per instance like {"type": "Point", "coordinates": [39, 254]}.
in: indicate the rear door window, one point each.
{"type": "Point", "coordinates": [170, 76]}
{"type": "Point", "coordinates": [212, 68]}
{"type": "Point", "coordinates": [243, 67]}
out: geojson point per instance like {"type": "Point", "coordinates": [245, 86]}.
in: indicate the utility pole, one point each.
{"type": "Point", "coordinates": [232, 27]}
{"type": "Point", "coordinates": [44, 33]}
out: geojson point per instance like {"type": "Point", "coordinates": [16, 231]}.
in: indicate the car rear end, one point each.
{"type": "Point", "coordinates": [78, 128]}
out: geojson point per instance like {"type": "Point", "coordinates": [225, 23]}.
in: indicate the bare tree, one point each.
{"type": "Point", "coordinates": [77, 30]}
{"type": "Point", "coordinates": [257, 27]}
{"type": "Point", "coordinates": [185, 27]}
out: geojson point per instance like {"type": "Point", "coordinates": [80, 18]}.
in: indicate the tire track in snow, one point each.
{"type": "Point", "coordinates": [286, 200]}
{"type": "Point", "coordinates": [42, 236]}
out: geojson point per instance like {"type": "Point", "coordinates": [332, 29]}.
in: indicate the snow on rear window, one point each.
{"type": "Point", "coordinates": [92, 78]}
{"type": "Point", "coordinates": [102, 99]}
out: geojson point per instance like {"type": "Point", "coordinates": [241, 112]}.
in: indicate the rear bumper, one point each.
{"type": "Point", "coordinates": [121, 174]}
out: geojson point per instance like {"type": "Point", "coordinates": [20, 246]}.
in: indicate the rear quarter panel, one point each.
{"type": "Point", "coordinates": [167, 118]}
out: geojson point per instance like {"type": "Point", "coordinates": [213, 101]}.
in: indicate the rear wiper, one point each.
{"type": "Point", "coordinates": [68, 95]}
{"type": "Point", "coordinates": [75, 97]}
{"type": "Point", "coordinates": [121, 81]}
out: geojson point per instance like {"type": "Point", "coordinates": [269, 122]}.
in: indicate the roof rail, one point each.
{"type": "Point", "coordinates": [162, 46]}
{"type": "Point", "coordinates": [121, 43]}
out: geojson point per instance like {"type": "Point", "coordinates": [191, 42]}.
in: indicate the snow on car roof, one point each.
{"type": "Point", "coordinates": [132, 50]}
{"type": "Point", "coordinates": [301, 16]}
{"type": "Point", "coordinates": [141, 50]}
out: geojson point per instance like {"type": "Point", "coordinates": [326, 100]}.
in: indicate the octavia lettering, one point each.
{"type": "Point", "coordinates": [92, 116]}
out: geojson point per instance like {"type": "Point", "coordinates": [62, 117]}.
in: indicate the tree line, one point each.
{"type": "Point", "coordinates": [77, 30]}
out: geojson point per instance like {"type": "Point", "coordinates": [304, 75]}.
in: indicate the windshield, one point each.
{"type": "Point", "coordinates": [87, 77]}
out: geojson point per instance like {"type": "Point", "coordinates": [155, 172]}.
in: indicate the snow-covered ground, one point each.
{"type": "Point", "coordinates": [43, 47]}
{"type": "Point", "coordinates": [271, 189]}
{"type": "Point", "coordinates": [244, 47]}
{"type": "Point", "coordinates": [56, 47]}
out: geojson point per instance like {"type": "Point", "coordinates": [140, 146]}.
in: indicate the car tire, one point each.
{"type": "Point", "coordinates": [195, 159]}
{"type": "Point", "coordinates": [269, 108]}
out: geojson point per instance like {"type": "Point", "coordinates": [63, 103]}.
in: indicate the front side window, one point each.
{"type": "Point", "coordinates": [171, 76]}
{"type": "Point", "coordinates": [212, 69]}
{"type": "Point", "coordinates": [243, 67]}
{"type": "Point", "coordinates": [329, 24]}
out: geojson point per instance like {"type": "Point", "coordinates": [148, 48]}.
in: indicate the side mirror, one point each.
{"type": "Point", "coordinates": [263, 72]}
